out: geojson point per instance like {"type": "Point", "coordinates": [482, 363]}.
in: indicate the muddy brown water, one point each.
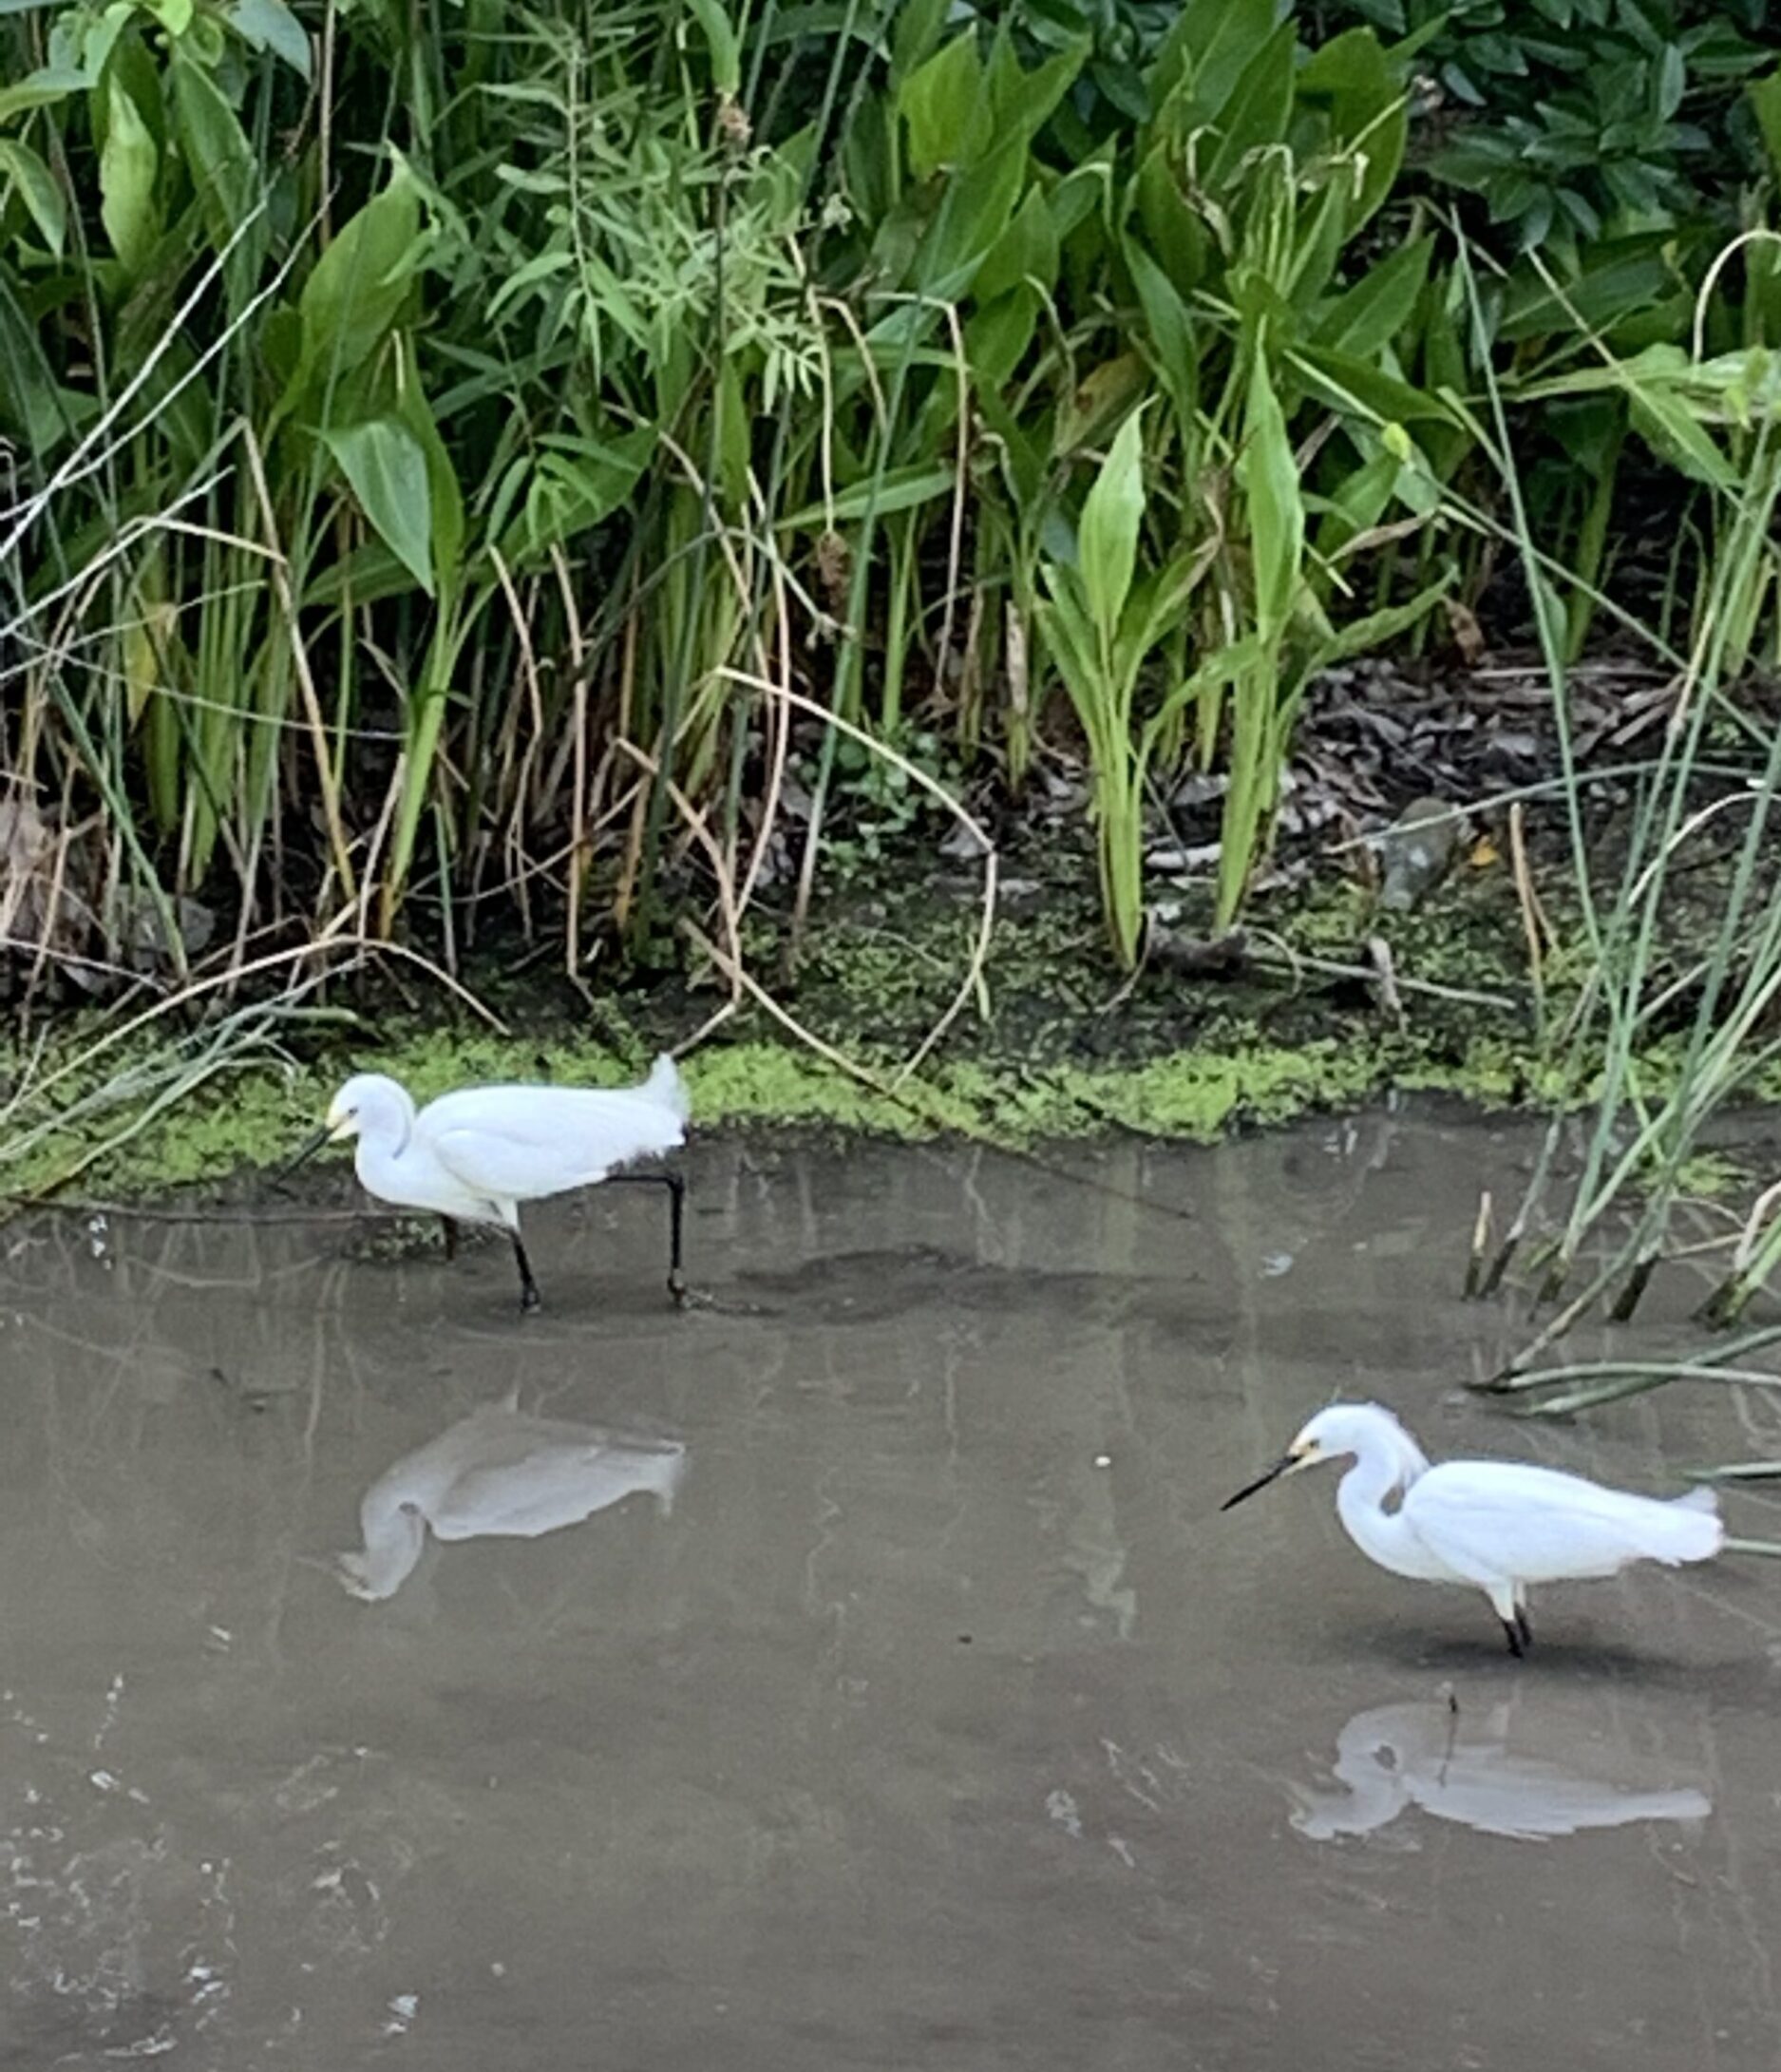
{"type": "Point", "coordinates": [936, 1720]}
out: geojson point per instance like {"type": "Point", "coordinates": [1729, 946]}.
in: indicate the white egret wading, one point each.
{"type": "Point", "coordinates": [1497, 1525]}
{"type": "Point", "coordinates": [475, 1155]}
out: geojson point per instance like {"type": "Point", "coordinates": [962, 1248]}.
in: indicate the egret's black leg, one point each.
{"type": "Point", "coordinates": [1513, 1638]}
{"type": "Point", "coordinates": [677, 1217]}
{"type": "Point", "coordinates": [450, 1230]}
{"type": "Point", "coordinates": [1523, 1628]}
{"type": "Point", "coordinates": [676, 1186]}
{"type": "Point", "coordinates": [529, 1288]}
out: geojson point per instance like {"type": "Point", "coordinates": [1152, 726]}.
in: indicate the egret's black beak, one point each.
{"type": "Point", "coordinates": [305, 1153]}
{"type": "Point", "coordinates": [1287, 1463]}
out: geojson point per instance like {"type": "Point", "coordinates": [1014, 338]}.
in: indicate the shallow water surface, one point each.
{"type": "Point", "coordinates": [855, 1672]}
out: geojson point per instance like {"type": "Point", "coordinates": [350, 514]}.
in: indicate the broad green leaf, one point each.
{"type": "Point", "coordinates": [920, 27]}
{"type": "Point", "coordinates": [897, 334]}
{"type": "Point", "coordinates": [444, 498]}
{"type": "Point", "coordinates": [541, 266]}
{"type": "Point", "coordinates": [1619, 277]}
{"type": "Point", "coordinates": [1269, 475]}
{"type": "Point", "coordinates": [1765, 98]}
{"type": "Point", "coordinates": [1229, 664]}
{"type": "Point", "coordinates": [1363, 389]}
{"type": "Point", "coordinates": [32, 409]}
{"type": "Point", "coordinates": [1358, 503]}
{"type": "Point", "coordinates": [730, 441]}
{"type": "Point", "coordinates": [1021, 102]}
{"type": "Point", "coordinates": [281, 344]}
{"type": "Point", "coordinates": [997, 334]}
{"type": "Point", "coordinates": [386, 468]}
{"type": "Point", "coordinates": [1362, 91]}
{"type": "Point", "coordinates": [1157, 605]}
{"type": "Point", "coordinates": [720, 38]}
{"type": "Point", "coordinates": [576, 484]}
{"type": "Point", "coordinates": [128, 167]}
{"type": "Point", "coordinates": [223, 171]}
{"type": "Point", "coordinates": [1590, 431]}
{"type": "Point", "coordinates": [1023, 461]}
{"type": "Point", "coordinates": [973, 212]}
{"type": "Point", "coordinates": [606, 293]}
{"type": "Point", "coordinates": [96, 38]}
{"type": "Point", "coordinates": [1080, 192]}
{"type": "Point", "coordinates": [358, 286]}
{"type": "Point", "coordinates": [1671, 81]}
{"type": "Point", "coordinates": [1027, 250]}
{"type": "Point", "coordinates": [369, 574]}
{"type": "Point", "coordinates": [1107, 541]}
{"type": "Point", "coordinates": [1667, 425]}
{"type": "Point", "coordinates": [942, 103]}
{"type": "Point", "coordinates": [1380, 629]}
{"type": "Point", "coordinates": [1096, 400]}
{"type": "Point", "coordinates": [868, 164]}
{"type": "Point", "coordinates": [897, 490]}
{"type": "Point", "coordinates": [22, 169]}
{"type": "Point", "coordinates": [1674, 400]}
{"type": "Point", "coordinates": [1258, 110]}
{"type": "Point", "coordinates": [1378, 306]}
{"type": "Point", "coordinates": [41, 89]}
{"type": "Point", "coordinates": [1069, 638]}
{"type": "Point", "coordinates": [1171, 338]}
{"type": "Point", "coordinates": [1176, 234]}
{"type": "Point", "coordinates": [268, 25]}
{"type": "Point", "coordinates": [1205, 53]}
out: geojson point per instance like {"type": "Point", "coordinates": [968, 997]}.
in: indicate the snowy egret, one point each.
{"type": "Point", "coordinates": [499, 1473]}
{"type": "Point", "coordinates": [475, 1155]}
{"type": "Point", "coordinates": [1497, 1525]}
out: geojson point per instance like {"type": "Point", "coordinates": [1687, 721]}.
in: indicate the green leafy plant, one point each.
{"type": "Point", "coordinates": [1576, 119]}
{"type": "Point", "coordinates": [1101, 625]}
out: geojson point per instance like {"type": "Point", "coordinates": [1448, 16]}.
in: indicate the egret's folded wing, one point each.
{"type": "Point", "coordinates": [1498, 1793]}
{"type": "Point", "coordinates": [557, 1486]}
{"type": "Point", "coordinates": [1490, 1520]}
{"type": "Point", "coordinates": [524, 1142]}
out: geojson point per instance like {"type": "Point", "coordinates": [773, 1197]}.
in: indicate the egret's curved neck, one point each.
{"type": "Point", "coordinates": [1376, 1793]}
{"type": "Point", "coordinates": [398, 1122]}
{"type": "Point", "coordinates": [1381, 1470]}
{"type": "Point", "coordinates": [394, 1535]}
{"type": "Point", "coordinates": [385, 1123]}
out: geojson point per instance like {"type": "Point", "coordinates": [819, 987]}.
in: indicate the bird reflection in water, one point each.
{"type": "Point", "coordinates": [1461, 1768]}
{"type": "Point", "coordinates": [501, 1473]}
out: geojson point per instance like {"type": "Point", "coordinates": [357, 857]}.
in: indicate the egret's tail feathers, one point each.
{"type": "Point", "coordinates": [1692, 1530]}
{"type": "Point", "coordinates": [667, 1089]}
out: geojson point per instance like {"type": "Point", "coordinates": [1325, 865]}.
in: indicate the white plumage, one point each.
{"type": "Point", "coordinates": [1497, 1525]}
{"type": "Point", "coordinates": [499, 1473]}
{"type": "Point", "coordinates": [475, 1155]}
